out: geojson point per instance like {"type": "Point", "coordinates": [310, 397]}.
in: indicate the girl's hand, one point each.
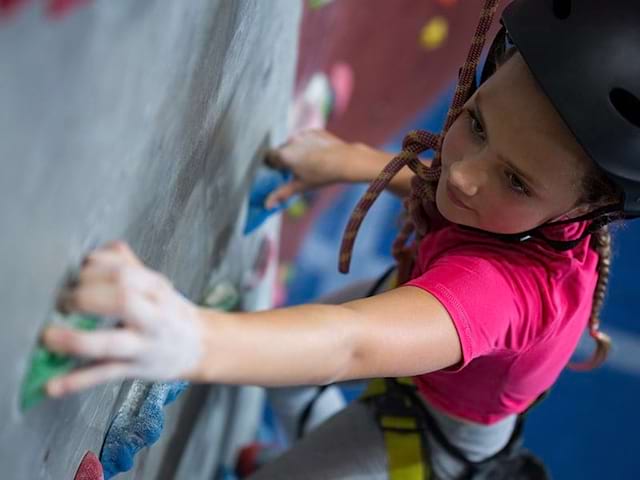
{"type": "Point", "coordinates": [316, 157]}
{"type": "Point", "coordinates": [160, 337]}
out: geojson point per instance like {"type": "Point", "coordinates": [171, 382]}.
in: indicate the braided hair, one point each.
{"type": "Point", "coordinates": [599, 190]}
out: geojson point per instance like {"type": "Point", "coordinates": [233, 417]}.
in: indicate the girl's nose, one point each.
{"type": "Point", "coordinates": [465, 178]}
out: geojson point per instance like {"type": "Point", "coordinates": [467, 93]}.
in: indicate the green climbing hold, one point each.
{"type": "Point", "coordinates": [46, 365]}
{"type": "Point", "coordinates": [222, 296]}
{"type": "Point", "coordinates": [315, 4]}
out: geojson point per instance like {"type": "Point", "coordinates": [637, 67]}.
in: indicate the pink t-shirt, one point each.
{"type": "Point", "coordinates": [519, 310]}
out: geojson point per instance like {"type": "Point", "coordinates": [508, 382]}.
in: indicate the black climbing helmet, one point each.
{"type": "Point", "coordinates": [585, 56]}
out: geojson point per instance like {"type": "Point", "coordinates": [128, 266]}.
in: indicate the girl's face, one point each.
{"type": "Point", "coordinates": [509, 163]}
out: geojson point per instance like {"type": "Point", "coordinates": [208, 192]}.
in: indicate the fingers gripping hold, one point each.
{"type": "Point", "coordinates": [106, 344]}
{"type": "Point", "coordinates": [121, 291]}
{"type": "Point", "coordinates": [87, 377]}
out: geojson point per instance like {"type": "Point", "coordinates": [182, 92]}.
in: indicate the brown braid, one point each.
{"type": "Point", "coordinates": [420, 204]}
{"type": "Point", "coordinates": [601, 242]}
{"type": "Point", "coordinates": [598, 190]}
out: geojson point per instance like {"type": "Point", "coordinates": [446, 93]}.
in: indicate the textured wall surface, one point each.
{"type": "Point", "coordinates": [140, 120]}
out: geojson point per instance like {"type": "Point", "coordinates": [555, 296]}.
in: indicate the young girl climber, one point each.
{"type": "Point", "coordinates": [507, 265]}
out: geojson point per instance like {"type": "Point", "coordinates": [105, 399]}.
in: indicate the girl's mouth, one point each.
{"type": "Point", "coordinates": [455, 199]}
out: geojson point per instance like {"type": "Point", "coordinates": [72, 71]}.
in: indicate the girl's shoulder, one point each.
{"type": "Point", "coordinates": [453, 242]}
{"type": "Point", "coordinates": [527, 290]}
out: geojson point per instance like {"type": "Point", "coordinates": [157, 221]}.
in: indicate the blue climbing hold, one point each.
{"type": "Point", "coordinates": [267, 180]}
{"type": "Point", "coordinates": [138, 424]}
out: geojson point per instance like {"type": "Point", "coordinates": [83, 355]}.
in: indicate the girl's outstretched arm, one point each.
{"type": "Point", "coordinates": [163, 336]}
{"type": "Point", "coordinates": [318, 158]}
{"type": "Point", "coordinates": [402, 332]}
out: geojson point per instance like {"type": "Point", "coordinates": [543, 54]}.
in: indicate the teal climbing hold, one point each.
{"type": "Point", "coordinates": [46, 364]}
{"type": "Point", "coordinates": [222, 296]}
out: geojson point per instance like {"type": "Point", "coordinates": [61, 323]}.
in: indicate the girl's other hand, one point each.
{"type": "Point", "coordinates": [160, 335]}
{"type": "Point", "coordinates": [315, 157]}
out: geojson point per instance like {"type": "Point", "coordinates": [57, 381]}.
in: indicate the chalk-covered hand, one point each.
{"type": "Point", "coordinates": [316, 157]}
{"type": "Point", "coordinates": [159, 336]}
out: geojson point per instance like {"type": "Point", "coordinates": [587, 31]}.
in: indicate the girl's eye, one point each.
{"type": "Point", "coordinates": [475, 126]}
{"type": "Point", "coordinates": [517, 185]}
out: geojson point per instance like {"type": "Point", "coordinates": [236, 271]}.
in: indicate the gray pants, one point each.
{"type": "Point", "coordinates": [349, 445]}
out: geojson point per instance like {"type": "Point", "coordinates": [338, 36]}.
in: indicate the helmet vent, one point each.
{"type": "Point", "coordinates": [562, 8]}
{"type": "Point", "coordinates": [627, 105]}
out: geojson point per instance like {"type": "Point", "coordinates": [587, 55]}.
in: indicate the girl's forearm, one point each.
{"type": "Point", "coordinates": [309, 344]}
{"type": "Point", "coordinates": [367, 163]}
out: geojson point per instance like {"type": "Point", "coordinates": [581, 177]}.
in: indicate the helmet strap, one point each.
{"type": "Point", "coordinates": [599, 218]}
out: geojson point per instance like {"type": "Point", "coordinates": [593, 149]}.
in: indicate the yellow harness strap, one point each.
{"type": "Point", "coordinates": [402, 432]}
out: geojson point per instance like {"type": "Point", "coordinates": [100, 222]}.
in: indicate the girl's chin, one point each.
{"type": "Point", "coordinates": [468, 218]}
{"type": "Point", "coordinates": [453, 213]}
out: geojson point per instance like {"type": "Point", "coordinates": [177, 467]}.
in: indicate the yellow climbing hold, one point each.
{"type": "Point", "coordinates": [286, 272]}
{"type": "Point", "coordinates": [298, 208]}
{"type": "Point", "coordinates": [434, 33]}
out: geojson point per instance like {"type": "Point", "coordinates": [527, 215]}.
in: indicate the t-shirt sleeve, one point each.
{"type": "Point", "coordinates": [479, 296]}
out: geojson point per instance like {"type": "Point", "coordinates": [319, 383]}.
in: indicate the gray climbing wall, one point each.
{"type": "Point", "coordinates": [134, 119]}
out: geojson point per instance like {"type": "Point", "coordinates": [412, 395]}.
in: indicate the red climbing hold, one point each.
{"type": "Point", "coordinates": [8, 7]}
{"type": "Point", "coordinates": [342, 82]}
{"type": "Point", "coordinates": [59, 8]}
{"type": "Point", "coordinates": [90, 468]}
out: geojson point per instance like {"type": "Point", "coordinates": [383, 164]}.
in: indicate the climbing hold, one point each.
{"type": "Point", "coordinates": [138, 424]}
{"type": "Point", "coordinates": [255, 455]}
{"type": "Point", "coordinates": [59, 8]}
{"type": "Point", "coordinates": [342, 81]}
{"type": "Point", "coordinates": [434, 33]}
{"type": "Point", "coordinates": [222, 296]}
{"type": "Point", "coordinates": [286, 273]}
{"type": "Point", "coordinates": [316, 4]}
{"type": "Point", "coordinates": [9, 7]}
{"type": "Point", "coordinates": [46, 364]}
{"type": "Point", "coordinates": [266, 252]}
{"type": "Point", "coordinates": [267, 180]}
{"type": "Point", "coordinates": [319, 94]}
{"type": "Point", "coordinates": [298, 208]}
{"type": "Point", "coordinates": [90, 468]}
{"type": "Point", "coordinates": [313, 106]}
{"type": "Point", "coordinates": [264, 257]}
{"type": "Point", "coordinates": [140, 419]}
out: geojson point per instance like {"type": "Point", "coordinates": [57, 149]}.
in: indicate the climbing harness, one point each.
{"type": "Point", "coordinates": [405, 421]}
{"type": "Point", "coordinates": [402, 422]}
